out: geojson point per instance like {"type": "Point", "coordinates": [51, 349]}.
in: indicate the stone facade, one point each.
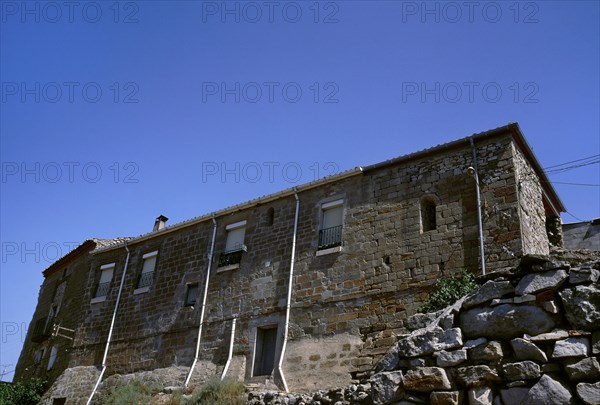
{"type": "Point", "coordinates": [406, 223]}
{"type": "Point", "coordinates": [59, 303]}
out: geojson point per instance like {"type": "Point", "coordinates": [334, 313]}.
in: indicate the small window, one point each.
{"type": "Point", "coordinates": [234, 246]}
{"type": "Point", "coordinates": [270, 216]}
{"type": "Point", "coordinates": [148, 265]}
{"type": "Point", "coordinates": [52, 360]}
{"type": "Point", "coordinates": [106, 276]}
{"type": "Point", "coordinates": [428, 220]}
{"type": "Point", "coordinates": [191, 294]}
{"type": "Point", "coordinates": [59, 401]}
{"type": "Point", "coordinates": [332, 216]}
{"type": "Point", "coordinates": [264, 352]}
{"type": "Point", "coordinates": [39, 356]}
{"type": "Point", "coordinates": [50, 322]}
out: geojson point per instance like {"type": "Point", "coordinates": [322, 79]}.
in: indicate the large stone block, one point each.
{"type": "Point", "coordinates": [487, 292]}
{"type": "Point", "coordinates": [424, 342]}
{"type": "Point", "coordinates": [589, 393]}
{"type": "Point", "coordinates": [571, 347]}
{"type": "Point", "coordinates": [445, 398]}
{"type": "Point", "coordinates": [490, 352]}
{"type": "Point", "coordinates": [449, 359]}
{"type": "Point", "coordinates": [505, 321]}
{"type": "Point", "coordinates": [548, 391]}
{"type": "Point", "coordinates": [474, 376]}
{"type": "Point", "coordinates": [535, 282]}
{"type": "Point", "coordinates": [586, 369]}
{"type": "Point", "coordinates": [524, 370]}
{"type": "Point", "coordinates": [426, 379]}
{"type": "Point", "coordinates": [386, 387]}
{"type": "Point", "coordinates": [525, 350]}
{"type": "Point", "coordinates": [582, 306]}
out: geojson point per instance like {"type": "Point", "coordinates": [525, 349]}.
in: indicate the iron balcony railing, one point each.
{"type": "Point", "coordinates": [102, 289]}
{"type": "Point", "coordinates": [40, 332]}
{"type": "Point", "coordinates": [233, 256]}
{"type": "Point", "coordinates": [330, 237]}
{"type": "Point", "coordinates": [146, 279]}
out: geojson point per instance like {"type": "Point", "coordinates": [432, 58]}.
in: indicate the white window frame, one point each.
{"type": "Point", "coordinates": [339, 203]}
{"type": "Point", "coordinates": [229, 228]}
{"type": "Point", "coordinates": [146, 256]}
{"type": "Point", "coordinates": [102, 268]}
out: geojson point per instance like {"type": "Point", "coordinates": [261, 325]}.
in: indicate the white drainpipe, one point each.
{"type": "Point", "coordinates": [481, 249]}
{"type": "Point", "coordinates": [210, 257]}
{"type": "Point", "coordinates": [112, 325]}
{"type": "Point", "coordinates": [289, 297]}
{"type": "Point", "coordinates": [230, 349]}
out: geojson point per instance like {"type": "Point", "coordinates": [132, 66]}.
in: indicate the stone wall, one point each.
{"type": "Point", "coordinates": [533, 216]}
{"type": "Point", "coordinates": [347, 305]}
{"type": "Point", "coordinates": [530, 335]}
{"type": "Point", "coordinates": [59, 303]}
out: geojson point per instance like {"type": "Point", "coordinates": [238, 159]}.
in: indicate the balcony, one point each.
{"type": "Point", "coordinates": [146, 280]}
{"type": "Point", "coordinates": [330, 237]}
{"type": "Point", "coordinates": [231, 258]}
{"type": "Point", "coordinates": [40, 331]}
{"type": "Point", "coordinates": [102, 290]}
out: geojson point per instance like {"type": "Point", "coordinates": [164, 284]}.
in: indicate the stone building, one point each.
{"type": "Point", "coordinates": [324, 273]}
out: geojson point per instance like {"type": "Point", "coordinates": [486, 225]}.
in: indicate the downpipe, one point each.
{"type": "Point", "coordinates": [289, 298]}
{"type": "Point", "coordinates": [479, 222]}
{"type": "Point", "coordinates": [230, 349]}
{"type": "Point", "coordinates": [112, 326]}
{"type": "Point", "coordinates": [202, 309]}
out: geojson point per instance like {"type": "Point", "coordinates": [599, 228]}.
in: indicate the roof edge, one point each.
{"type": "Point", "coordinates": [238, 207]}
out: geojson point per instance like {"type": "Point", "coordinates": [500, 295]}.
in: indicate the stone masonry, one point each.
{"type": "Point", "coordinates": [406, 223]}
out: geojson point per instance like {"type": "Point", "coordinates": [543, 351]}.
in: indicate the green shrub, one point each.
{"type": "Point", "coordinates": [217, 392]}
{"type": "Point", "coordinates": [448, 290]}
{"type": "Point", "coordinates": [134, 393]}
{"type": "Point", "coordinates": [22, 393]}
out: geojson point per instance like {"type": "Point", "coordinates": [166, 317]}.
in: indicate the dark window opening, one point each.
{"type": "Point", "coordinates": [191, 294]}
{"type": "Point", "coordinates": [59, 401]}
{"type": "Point", "coordinates": [40, 333]}
{"type": "Point", "coordinates": [264, 355]}
{"type": "Point", "coordinates": [270, 216]}
{"type": "Point", "coordinates": [428, 220]}
{"type": "Point", "coordinates": [230, 258]}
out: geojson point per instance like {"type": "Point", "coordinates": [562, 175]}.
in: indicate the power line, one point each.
{"type": "Point", "coordinates": [572, 161]}
{"type": "Point", "coordinates": [564, 169]}
{"type": "Point", "coordinates": [576, 184]}
{"type": "Point", "coordinates": [579, 219]}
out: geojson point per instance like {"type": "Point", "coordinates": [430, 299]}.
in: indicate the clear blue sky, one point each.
{"type": "Point", "coordinates": [115, 112]}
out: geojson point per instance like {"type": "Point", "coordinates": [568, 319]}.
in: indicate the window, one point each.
{"type": "Point", "coordinates": [148, 265]}
{"type": "Point", "coordinates": [264, 352]}
{"type": "Point", "coordinates": [330, 234]}
{"type": "Point", "coordinates": [53, 353]}
{"type": "Point", "coordinates": [59, 401]}
{"type": "Point", "coordinates": [39, 356]}
{"type": "Point", "coordinates": [428, 220]}
{"type": "Point", "coordinates": [106, 276]}
{"type": "Point", "coordinates": [40, 333]}
{"type": "Point", "coordinates": [191, 294]}
{"type": "Point", "coordinates": [234, 246]}
{"type": "Point", "coordinates": [270, 216]}
{"type": "Point", "coordinates": [51, 315]}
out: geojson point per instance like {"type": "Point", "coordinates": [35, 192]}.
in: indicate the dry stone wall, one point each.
{"type": "Point", "coordinates": [530, 335]}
